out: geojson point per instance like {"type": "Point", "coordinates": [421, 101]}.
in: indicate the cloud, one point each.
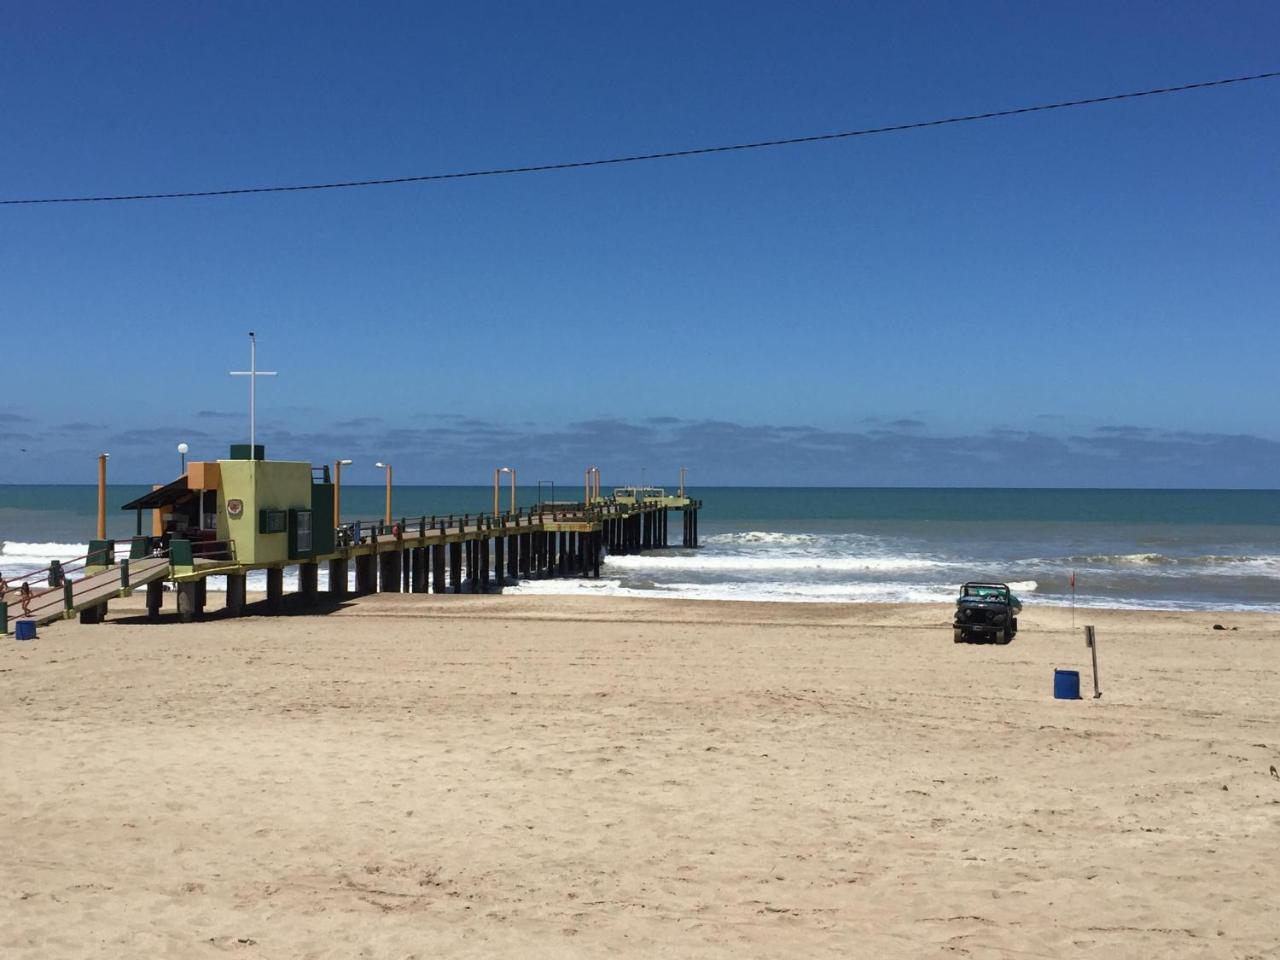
{"type": "Point", "coordinates": [161, 436]}
{"type": "Point", "coordinates": [717, 451]}
{"type": "Point", "coordinates": [80, 426]}
{"type": "Point", "coordinates": [218, 415]}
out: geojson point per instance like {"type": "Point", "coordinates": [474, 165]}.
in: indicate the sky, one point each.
{"type": "Point", "coordinates": [1082, 297]}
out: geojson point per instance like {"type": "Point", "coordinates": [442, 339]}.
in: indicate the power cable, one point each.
{"type": "Point", "coordinates": [663, 155]}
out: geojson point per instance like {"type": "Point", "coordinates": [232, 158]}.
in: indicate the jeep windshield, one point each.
{"type": "Point", "coordinates": [985, 592]}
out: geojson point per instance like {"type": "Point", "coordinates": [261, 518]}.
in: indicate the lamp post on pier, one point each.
{"type": "Point", "coordinates": [387, 467]}
{"type": "Point", "coordinates": [182, 452]}
{"type": "Point", "coordinates": [591, 485]}
{"type": "Point", "coordinates": [553, 490]}
{"type": "Point", "coordinates": [102, 495]}
{"type": "Point", "coordinates": [337, 491]}
{"type": "Point", "coordinates": [683, 471]}
{"type": "Point", "coordinates": [497, 474]}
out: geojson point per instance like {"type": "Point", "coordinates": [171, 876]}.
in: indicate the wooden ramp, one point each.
{"type": "Point", "coordinates": [91, 591]}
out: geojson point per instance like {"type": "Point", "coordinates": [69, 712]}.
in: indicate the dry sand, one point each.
{"type": "Point", "coordinates": [565, 777]}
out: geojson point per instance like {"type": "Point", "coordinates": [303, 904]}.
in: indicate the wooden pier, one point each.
{"type": "Point", "coordinates": [472, 553]}
{"type": "Point", "coordinates": [455, 554]}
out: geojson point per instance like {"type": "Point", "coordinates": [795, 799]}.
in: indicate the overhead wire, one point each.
{"type": "Point", "coordinates": [658, 155]}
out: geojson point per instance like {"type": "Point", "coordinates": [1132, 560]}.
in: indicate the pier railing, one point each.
{"type": "Point", "coordinates": [356, 532]}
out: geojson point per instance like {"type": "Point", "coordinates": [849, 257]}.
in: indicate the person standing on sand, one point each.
{"type": "Point", "coordinates": [4, 587]}
{"type": "Point", "coordinates": [26, 599]}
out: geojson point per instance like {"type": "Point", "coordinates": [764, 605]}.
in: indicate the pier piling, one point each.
{"type": "Point", "coordinates": [237, 589]}
{"type": "Point", "coordinates": [188, 601]}
{"type": "Point", "coordinates": [437, 568]}
{"type": "Point", "coordinates": [275, 588]}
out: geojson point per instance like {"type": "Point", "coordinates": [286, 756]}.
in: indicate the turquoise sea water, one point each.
{"type": "Point", "coordinates": [1146, 548]}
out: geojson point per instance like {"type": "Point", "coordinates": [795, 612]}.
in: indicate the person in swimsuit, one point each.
{"type": "Point", "coordinates": [26, 599]}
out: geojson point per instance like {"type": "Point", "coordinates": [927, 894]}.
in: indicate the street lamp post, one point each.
{"type": "Point", "coordinates": [683, 471]}
{"type": "Point", "coordinates": [102, 495]}
{"type": "Point", "coordinates": [591, 485]}
{"type": "Point", "coordinates": [337, 491]}
{"type": "Point", "coordinates": [182, 452]}
{"type": "Point", "coordinates": [387, 467]}
{"type": "Point", "coordinates": [552, 483]}
{"type": "Point", "coordinates": [496, 477]}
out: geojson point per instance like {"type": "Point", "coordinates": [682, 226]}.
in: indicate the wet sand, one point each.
{"type": "Point", "coordinates": [414, 776]}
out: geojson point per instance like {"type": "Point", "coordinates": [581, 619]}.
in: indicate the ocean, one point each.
{"type": "Point", "coordinates": [1146, 549]}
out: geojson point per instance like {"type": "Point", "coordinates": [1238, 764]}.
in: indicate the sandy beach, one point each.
{"type": "Point", "coordinates": [413, 776]}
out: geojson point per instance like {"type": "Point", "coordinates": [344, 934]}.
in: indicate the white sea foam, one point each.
{"type": "Point", "coordinates": [762, 591]}
{"type": "Point", "coordinates": [12, 551]}
{"type": "Point", "coordinates": [676, 562]}
{"type": "Point", "coordinates": [760, 536]}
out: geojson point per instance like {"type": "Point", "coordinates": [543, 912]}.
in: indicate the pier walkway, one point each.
{"type": "Point", "coordinates": [476, 553]}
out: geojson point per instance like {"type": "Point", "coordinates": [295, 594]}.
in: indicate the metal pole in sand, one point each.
{"type": "Point", "coordinates": [1092, 643]}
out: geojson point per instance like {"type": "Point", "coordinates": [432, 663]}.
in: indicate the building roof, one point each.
{"type": "Point", "coordinates": [160, 497]}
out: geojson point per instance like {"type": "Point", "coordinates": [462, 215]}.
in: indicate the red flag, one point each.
{"type": "Point", "coordinates": [1073, 579]}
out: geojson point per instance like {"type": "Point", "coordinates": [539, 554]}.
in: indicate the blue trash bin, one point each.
{"type": "Point", "coordinates": [1066, 684]}
{"type": "Point", "coordinates": [24, 630]}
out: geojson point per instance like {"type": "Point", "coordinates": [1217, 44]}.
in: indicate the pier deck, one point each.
{"type": "Point", "coordinates": [471, 553]}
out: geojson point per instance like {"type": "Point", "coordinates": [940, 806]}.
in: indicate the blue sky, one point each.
{"type": "Point", "coordinates": [1081, 297]}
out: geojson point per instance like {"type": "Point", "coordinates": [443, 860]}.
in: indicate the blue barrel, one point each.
{"type": "Point", "coordinates": [1066, 684]}
{"type": "Point", "coordinates": [24, 630]}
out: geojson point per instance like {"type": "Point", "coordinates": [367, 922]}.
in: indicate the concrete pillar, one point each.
{"type": "Point", "coordinates": [94, 614]}
{"type": "Point", "coordinates": [155, 598]}
{"type": "Point", "coordinates": [597, 550]}
{"type": "Point", "coordinates": [188, 601]}
{"type": "Point", "coordinates": [499, 561]}
{"type": "Point", "coordinates": [406, 570]}
{"type": "Point", "coordinates": [309, 582]}
{"type": "Point", "coordinates": [337, 578]}
{"type": "Point", "coordinates": [236, 593]}
{"type": "Point", "coordinates": [437, 567]}
{"type": "Point", "coordinates": [484, 565]}
{"type": "Point", "coordinates": [526, 545]}
{"type": "Point", "coordinates": [513, 556]}
{"type": "Point", "coordinates": [275, 588]}
{"type": "Point", "coordinates": [202, 592]}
